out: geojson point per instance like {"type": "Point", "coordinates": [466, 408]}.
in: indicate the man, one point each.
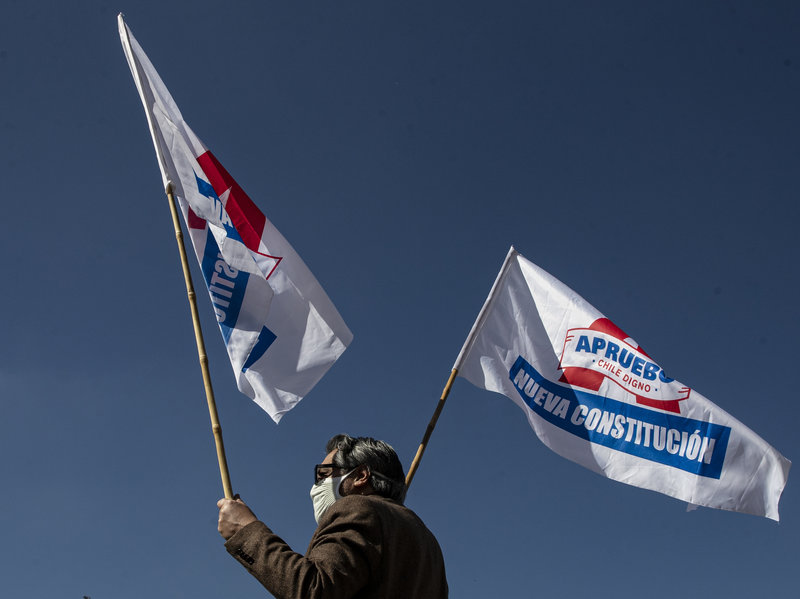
{"type": "Point", "coordinates": [367, 544]}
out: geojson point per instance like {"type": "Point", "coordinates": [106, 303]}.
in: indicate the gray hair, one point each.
{"type": "Point", "coordinates": [386, 471]}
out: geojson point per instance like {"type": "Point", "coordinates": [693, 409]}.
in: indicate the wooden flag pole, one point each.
{"type": "Point", "coordinates": [482, 315]}
{"type": "Point", "coordinates": [201, 348]}
{"type": "Point", "coordinates": [431, 425]}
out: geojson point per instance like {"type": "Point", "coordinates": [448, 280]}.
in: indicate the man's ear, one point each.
{"type": "Point", "coordinates": [360, 477]}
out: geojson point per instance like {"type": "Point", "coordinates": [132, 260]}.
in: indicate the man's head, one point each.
{"type": "Point", "coordinates": [375, 465]}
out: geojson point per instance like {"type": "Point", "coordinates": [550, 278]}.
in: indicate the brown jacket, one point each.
{"type": "Point", "coordinates": [365, 547]}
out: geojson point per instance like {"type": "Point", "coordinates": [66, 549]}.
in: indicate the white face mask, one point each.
{"type": "Point", "coordinates": [325, 493]}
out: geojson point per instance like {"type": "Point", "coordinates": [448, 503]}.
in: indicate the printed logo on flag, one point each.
{"type": "Point", "coordinates": [227, 285]}
{"type": "Point", "coordinates": [603, 351]}
{"type": "Point", "coordinates": [685, 443]}
{"type": "Point", "coordinates": [248, 220]}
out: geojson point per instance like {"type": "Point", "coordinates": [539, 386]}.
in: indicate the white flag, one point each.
{"type": "Point", "coordinates": [281, 331]}
{"type": "Point", "coordinates": [594, 396]}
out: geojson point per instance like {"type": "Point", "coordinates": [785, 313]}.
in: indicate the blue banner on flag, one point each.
{"type": "Point", "coordinates": [685, 443]}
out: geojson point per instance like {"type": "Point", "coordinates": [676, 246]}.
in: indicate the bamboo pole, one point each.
{"type": "Point", "coordinates": [431, 425]}
{"type": "Point", "coordinates": [465, 349]}
{"type": "Point", "coordinates": [201, 348]}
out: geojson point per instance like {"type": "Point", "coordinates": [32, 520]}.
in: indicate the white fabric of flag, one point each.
{"type": "Point", "coordinates": [594, 396]}
{"type": "Point", "coordinates": [281, 330]}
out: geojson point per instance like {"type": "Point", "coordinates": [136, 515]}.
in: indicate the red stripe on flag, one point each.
{"type": "Point", "coordinates": [194, 221]}
{"type": "Point", "coordinates": [247, 218]}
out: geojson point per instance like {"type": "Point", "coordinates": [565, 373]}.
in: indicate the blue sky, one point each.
{"type": "Point", "coordinates": [645, 153]}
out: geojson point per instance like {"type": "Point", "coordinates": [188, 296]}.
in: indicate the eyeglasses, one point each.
{"type": "Point", "coordinates": [323, 471]}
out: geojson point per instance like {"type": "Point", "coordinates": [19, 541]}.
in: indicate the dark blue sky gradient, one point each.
{"type": "Point", "coordinates": [645, 153]}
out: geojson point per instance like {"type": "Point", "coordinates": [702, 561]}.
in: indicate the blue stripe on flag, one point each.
{"type": "Point", "coordinates": [684, 443]}
{"type": "Point", "coordinates": [226, 286]}
{"type": "Point", "coordinates": [265, 339]}
{"type": "Point", "coordinates": [205, 188]}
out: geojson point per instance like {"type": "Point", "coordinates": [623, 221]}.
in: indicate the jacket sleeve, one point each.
{"type": "Point", "coordinates": [343, 554]}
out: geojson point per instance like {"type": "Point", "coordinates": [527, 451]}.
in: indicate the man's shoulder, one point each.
{"type": "Point", "coordinates": [368, 507]}
{"type": "Point", "coordinates": [364, 503]}
{"type": "Point", "coordinates": [374, 509]}
{"type": "Point", "coordinates": [365, 500]}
